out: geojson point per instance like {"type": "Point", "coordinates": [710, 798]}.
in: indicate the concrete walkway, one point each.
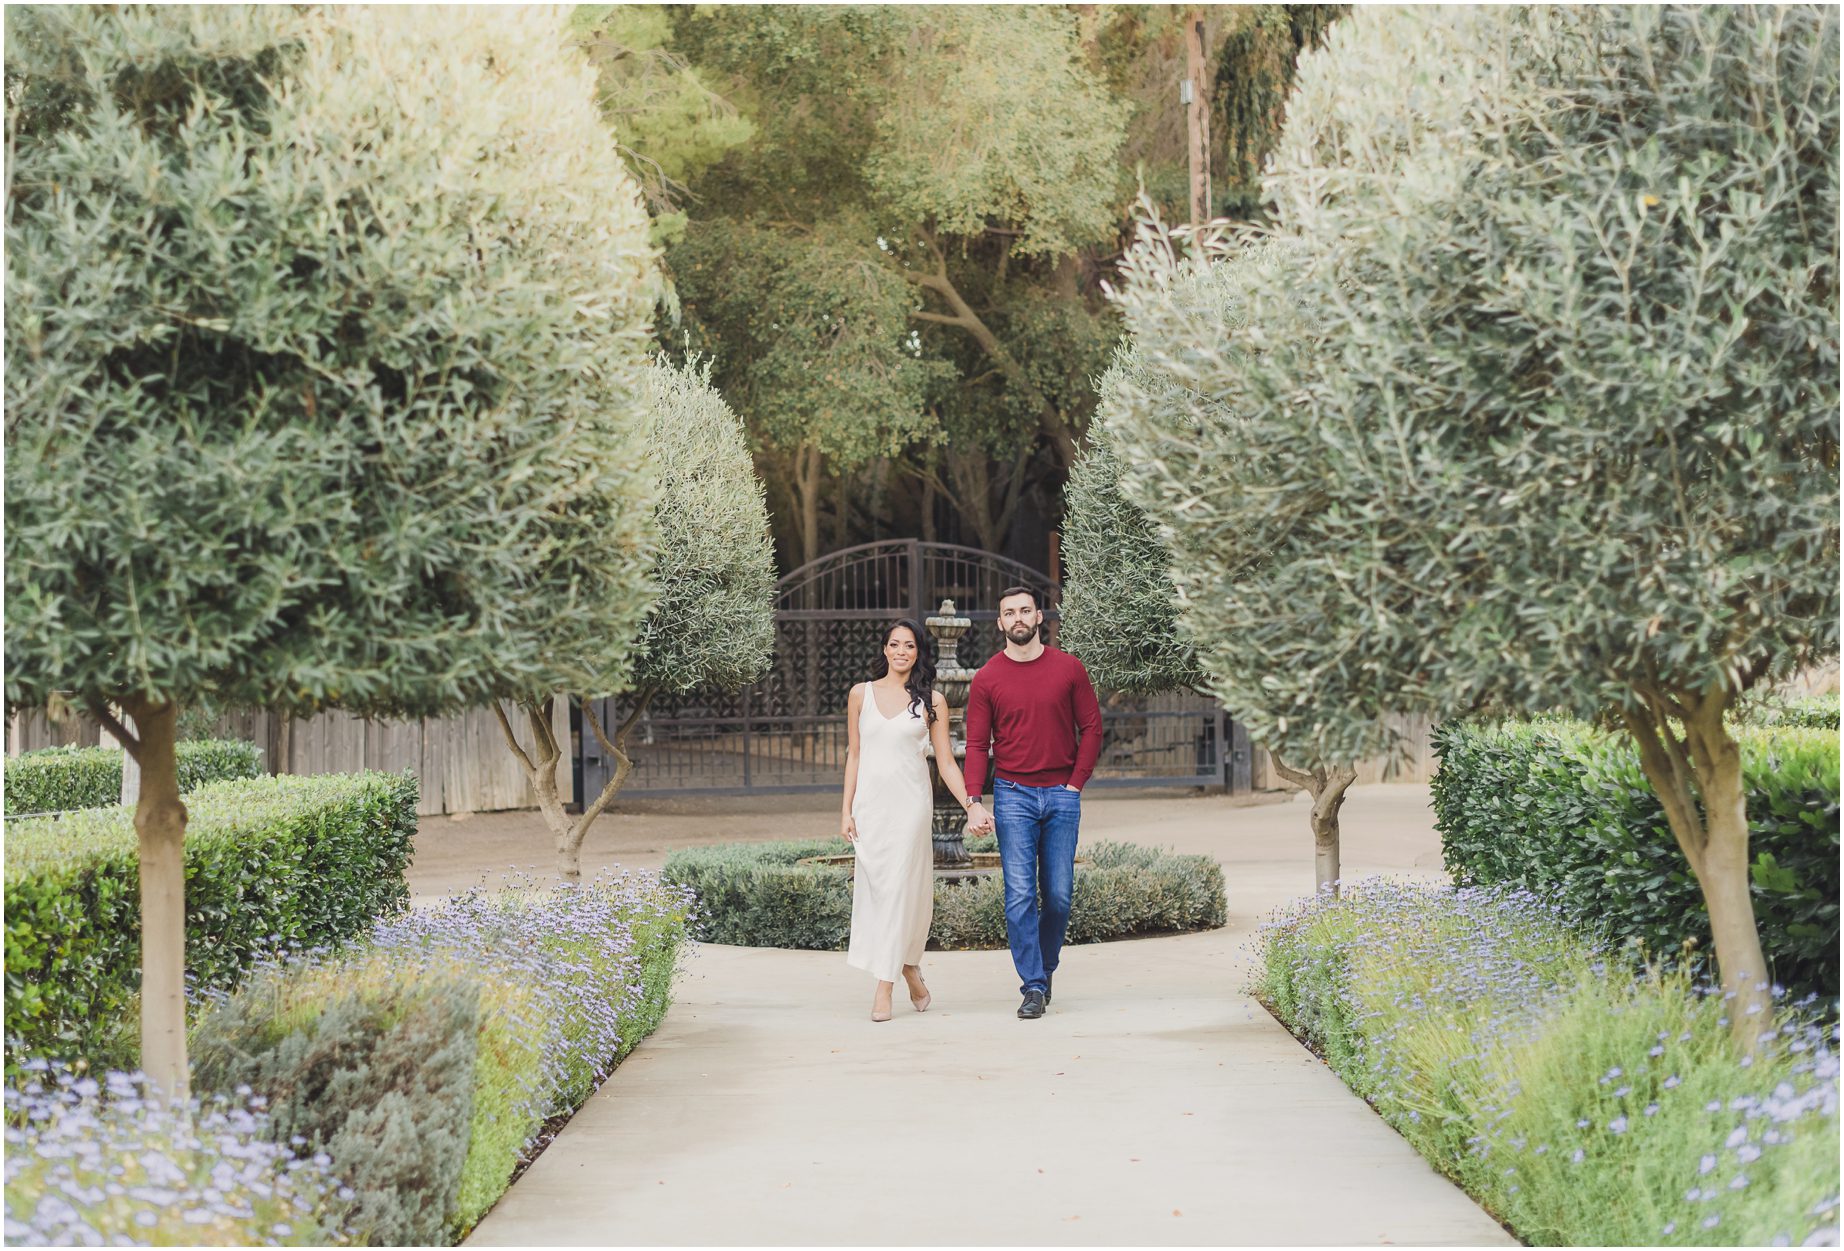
{"type": "Point", "coordinates": [1155, 1104]}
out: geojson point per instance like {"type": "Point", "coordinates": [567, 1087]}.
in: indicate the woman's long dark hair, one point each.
{"type": "Point", "coordinates": [921, 681]}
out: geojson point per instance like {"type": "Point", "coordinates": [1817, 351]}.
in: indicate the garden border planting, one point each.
{"type": "Point", "coordinates": [1565, 810]}
{"type": "Point", "coordinates": [1581, 1100]}
{"type": "Point", "coordinates": [271, 864]}
{"type": "Point", "coordinates": [758, 895]}
{"type": "Point", "coordinates": [427, 1064]}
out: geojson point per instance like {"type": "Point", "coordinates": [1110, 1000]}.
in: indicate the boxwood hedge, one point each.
{"type": "Point", "coordinates": [61, 779]}
{"type": "Point", "coordinates": [1566, 811]}
{"type": "Point", "coordinates": [757, 895]}
{"type": "Point", "coordinates": [271, 863]}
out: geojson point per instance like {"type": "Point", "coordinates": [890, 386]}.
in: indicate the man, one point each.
{"type": "Point", "coordinates": [1025, 709]}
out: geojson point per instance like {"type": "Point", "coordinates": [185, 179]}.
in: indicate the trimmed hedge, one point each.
{"type": "Point", "coordinates": [271, 864]}
{"type": "Point", "coordinates": [1565, 810]}
{"type": "Point", "coordinates": [1807, 712]}
{"type": "Point", "coordinates": [427, 1064]}
{"type": "Point", "coordinates": [64, 779]}
{"type": "Point", "coordinates": [1581, 1101]}
{"type": "Point", "coordinates": [756, 895]}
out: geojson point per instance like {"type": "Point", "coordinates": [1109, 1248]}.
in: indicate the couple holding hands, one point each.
{"type": "Point", "coordinates": [1032, 712]}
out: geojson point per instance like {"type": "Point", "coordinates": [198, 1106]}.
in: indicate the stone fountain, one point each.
{"type": "Point", "coordinates": [947, 627]}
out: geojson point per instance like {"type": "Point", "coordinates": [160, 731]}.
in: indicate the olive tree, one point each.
{"type": "Point", "coordinates": [1119, 608]}
{"type": "Point", "coordinates": [324, 333]}
{"type": "Point", "coordinates": [1565, 434]}
{"type": "Point", "coordinates": [1166, 568]}
{"type": "Point", "coordinates": [713, 622]}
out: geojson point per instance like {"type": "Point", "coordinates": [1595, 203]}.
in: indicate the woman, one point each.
{"type": "Point", "coordinates": [889, 809]}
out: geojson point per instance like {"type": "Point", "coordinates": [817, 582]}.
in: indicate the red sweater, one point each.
{"type": "Point", "coordinates": [1026, 714]}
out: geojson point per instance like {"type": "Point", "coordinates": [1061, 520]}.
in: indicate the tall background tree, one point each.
{"type": "Point", "coordinates": [324, 333]}
{"type": "Point", "coordinates": [1565, 436]}
{"type": "Point", "coordinates": [712, 624]}
{"type": "Point", "coordinates": [903, 216]}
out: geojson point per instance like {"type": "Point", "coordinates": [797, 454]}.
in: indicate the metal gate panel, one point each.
{"type": "Point", "coordinates": [787, 731]}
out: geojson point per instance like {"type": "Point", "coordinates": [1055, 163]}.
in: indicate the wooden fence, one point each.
{"type": "Point", "coordinates": [461, 763]}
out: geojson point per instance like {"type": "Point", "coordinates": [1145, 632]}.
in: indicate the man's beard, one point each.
{"type": "Point", "coordinates": [1021, 634]}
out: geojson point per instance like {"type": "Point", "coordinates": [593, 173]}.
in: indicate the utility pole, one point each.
{"type": "Point", "coordinates": [1197, 116]}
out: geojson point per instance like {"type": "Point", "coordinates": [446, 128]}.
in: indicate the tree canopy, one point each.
{"type": "Point", "coordinates": [1560, 429]}
{"type": "Point", "coordinates": [301, 378]}
{"type": "Point", "coordinates": [325, 334]}
{"type": "Point", "coordinates": [985, 158]}
{"type": "Point", "coordinates": [713, 572]}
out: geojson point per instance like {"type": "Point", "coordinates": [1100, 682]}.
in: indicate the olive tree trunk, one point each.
{"type": "Point", "coordinates": [160, 831]}
{"type": "Point", "coordinates": [1698, 778]}
{"type": "Point", "coordinates": [1326, 785]}
{"type": "Point", "coordinates": [540, 765]}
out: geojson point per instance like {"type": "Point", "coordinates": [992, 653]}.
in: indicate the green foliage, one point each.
{"type": "Point", "coordinates": [1207, 488]}
{"type": "Point", "coordinates": [369, 1063]}
{"type": "Point", "coordinates": [1119, 607]}
{"type": "Point", "coordinates": [669, 123]}
{"type": "Point", "coordinates": [61, 778]}
{"type": "Point", "coordinates": [1814, 712]}
{"type": "Point", "coordinates": [1565, 811]}
{"type": "Point", "coordinates": [757, 895]}
{"type": "Point", "coordinates": [714, 620]}
{"type": "Point", "coordinates": [993, 118]}
{"type": "Point", "coordinates": [329, 331]}
{"type": "Point", "coordinates": [471, 1022]}
{"type": "Point", "coordinates": [58, 779]}
{"type": "Point", "coordinates": [1555, 370]}
{"type": "Point", "coordinates": [1579, 1102]}
{"type": "Point", "coordinates": [270, 863]}
{"type": "Point", "coordinates": [810, 336]}
{"type": "Point", "coordinates": [1256, 70]}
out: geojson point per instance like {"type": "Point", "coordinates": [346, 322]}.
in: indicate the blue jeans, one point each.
{"type": "Point", "coordinates": [1037, 829]}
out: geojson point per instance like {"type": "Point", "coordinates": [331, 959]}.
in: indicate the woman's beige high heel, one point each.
{"type": "Point", "coordinates": [921, 1005]}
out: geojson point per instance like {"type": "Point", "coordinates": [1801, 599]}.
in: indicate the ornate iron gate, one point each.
{"type": "Point", "coordinates": [787, 732]}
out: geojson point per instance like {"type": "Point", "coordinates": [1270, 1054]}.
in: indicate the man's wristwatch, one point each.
{"type": "Point", "coordinates": [970, 801]}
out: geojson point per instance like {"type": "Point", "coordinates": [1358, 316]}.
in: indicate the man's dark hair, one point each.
{"type": "Point", "coordinates": [1008, 592]}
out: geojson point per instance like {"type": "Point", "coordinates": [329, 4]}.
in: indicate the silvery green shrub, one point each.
{"type": "Point", "coordinates": [375, 1070]}
{"type": "Point", "coordinates": [325, 334]}
{"type": "Point", "coordinates": [1548, 408]}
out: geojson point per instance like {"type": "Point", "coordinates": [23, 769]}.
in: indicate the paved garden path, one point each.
{"type": "Point", "coordinates": [1155, 1104]}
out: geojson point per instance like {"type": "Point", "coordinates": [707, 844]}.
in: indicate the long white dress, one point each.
{"type": "Point", "coordinates": [893, 888]}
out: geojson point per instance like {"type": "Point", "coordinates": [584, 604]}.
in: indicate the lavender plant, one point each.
{"type": "Point", "coordinates": [456, 1033]}
{"type": "Point", "coordinates": [581, 973]}
{"type": "Point", "coordinates": [1582, 1097]}
{"type": "Point", "coordinates": [95, 1161]}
